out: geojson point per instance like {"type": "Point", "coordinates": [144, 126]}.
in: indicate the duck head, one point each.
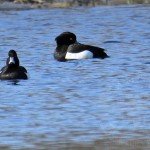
{"type": "Point", "coordinates": [65, 38]}
{"type": "Point", "coordinates": [12, 60]}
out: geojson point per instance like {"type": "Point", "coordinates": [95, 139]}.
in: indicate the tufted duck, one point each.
{"type": "Point", "coordinates": [68, 48]}
{"type": "Point", "coordinates": [12, 70]}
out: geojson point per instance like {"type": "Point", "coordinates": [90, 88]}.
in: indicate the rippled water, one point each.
{"type": "Point", "coordinates": [86, 104]}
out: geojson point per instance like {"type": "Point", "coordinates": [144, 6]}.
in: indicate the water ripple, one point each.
{"type": "Point", "coordinates": [79, 103]}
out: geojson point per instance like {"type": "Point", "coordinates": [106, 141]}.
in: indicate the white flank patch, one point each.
{"type": "Point", "coordinates": [81, 55]}
{"type": "Point", "coordinates": [11, 60]}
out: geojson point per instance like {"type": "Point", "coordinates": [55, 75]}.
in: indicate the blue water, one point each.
{"type": "Point", "coordinates": [80, 101]}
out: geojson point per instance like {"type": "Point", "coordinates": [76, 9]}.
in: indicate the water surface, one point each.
{"type": "Point", "coordinates": [86, 104]}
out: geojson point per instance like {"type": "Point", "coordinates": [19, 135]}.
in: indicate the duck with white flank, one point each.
{"type": "Point", "coordinates": [69, 49]}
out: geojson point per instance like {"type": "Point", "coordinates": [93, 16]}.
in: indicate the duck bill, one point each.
{"type": "Point", "coordinates": [11, 61]}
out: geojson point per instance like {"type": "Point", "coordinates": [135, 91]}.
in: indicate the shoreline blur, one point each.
{"type": "Point", "coordinates": [105, 144]}
{"type": "Point", "coordinates": [41, 4]}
